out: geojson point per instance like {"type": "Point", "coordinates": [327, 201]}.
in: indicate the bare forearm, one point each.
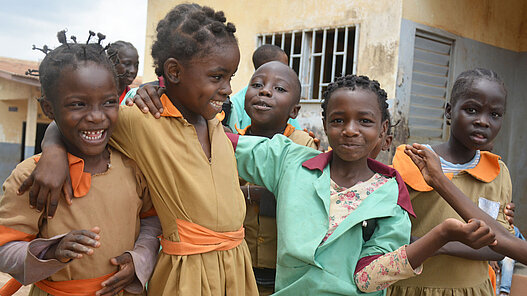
{"type": "Point", "coordinates": [507, 245]}
{"type": "Point", "coordinates": [461, 250]}
{"type": "Point", "coordinates": [425, 247]}
{"type": "Point", "coordinates": [52, 139]}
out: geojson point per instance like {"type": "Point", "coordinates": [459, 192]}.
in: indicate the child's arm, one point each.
{"type": "Point", "coordinates": [135, 267]}
{"type": "Point", "coordinates": [430, 167]}
{"type": "Point", "coordinates": [51, 176]}
{"type": "Point", "coordinates": [30, 262]}
{"type": "Point", "coordinates": [406, 261]}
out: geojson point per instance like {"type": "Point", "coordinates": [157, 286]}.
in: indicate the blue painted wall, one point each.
{"type": "Point", "coordinates": [9, 158]}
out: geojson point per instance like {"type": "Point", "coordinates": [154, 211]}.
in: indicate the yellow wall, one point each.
{"type": "Point", "coordinates": [378, 40]}
{"type": "Point", "coordinates": [16, 95]}
{"type": "Point", "coordinates": [502, 23]}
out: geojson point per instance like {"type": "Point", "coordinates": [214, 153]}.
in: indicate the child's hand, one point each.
{"type": "Point", "coordinates": [74, 245]}
{"type": "Point", "coordinates": [509, 212]}
{"type": "Point", "coordinates": [427, 162]}
{"type": "Point", "coordinates": [147, 99]}
{"type": "Point", "coordinates": [315, 139]}
{"type": "Point", "coordinates": [122, 278]}
{"type": "Point", "coordinates": [475, 234]}
{"type": "Point", "coordinates": [45, 187]}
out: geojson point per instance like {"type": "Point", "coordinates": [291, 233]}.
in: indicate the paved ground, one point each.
{"type": "Point", "coordinates": [22, 292]}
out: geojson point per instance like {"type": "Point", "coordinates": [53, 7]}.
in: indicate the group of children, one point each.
{"type": "Point", "coordinates": [303, 222]}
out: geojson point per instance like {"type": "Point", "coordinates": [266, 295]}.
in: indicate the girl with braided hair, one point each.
{"type": "Point", "coordinates": [105, 241]}
{"type": "Point", "coordinates": [187, 159]}
{"type": "Point", "coordinates": [126, 60]}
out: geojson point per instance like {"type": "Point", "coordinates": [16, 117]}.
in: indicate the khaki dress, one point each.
{"type": "Point", "coordinates": [185, 185]}
{"type": "Point", "coordinates": [114, 202]}
{"type": "Point", "coordinates": [444, 274]}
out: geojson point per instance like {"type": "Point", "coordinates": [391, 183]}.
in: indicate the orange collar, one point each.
{"type": "Point", "coordinates": [169, 110]}
{"type": "Point", "coordinates": [289, 129]}
{"type": "Point", "coordinates": [487, 169]}
{"type": "Point", "coordinates": [80, 180]}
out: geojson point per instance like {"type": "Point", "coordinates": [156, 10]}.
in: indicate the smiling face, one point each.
{"type": "Point", "coordinates": [127, 66]}
{"type": "Point", "coordinates": [476, 117]}
{"type": "Point", "coordinates": [272, 96]}
{"type": "Point", "coordinates": [353, 123]}
{"type": "Point", "coordinates": [84, 106]}
{"type": "Point", "coordinates": [201, 85]}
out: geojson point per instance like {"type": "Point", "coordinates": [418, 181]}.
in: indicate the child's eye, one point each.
{"type": "Point", "coordinates": [217, 77]}
{"type": "Point", "coordinates": [337, 121]}
{"type": "Point", "coordinates": [280, 89]}
{"type": "Point", "coordinates": [365, 121]}
{"type": "Point", "coordinates": [77, 104]}
{"type": "Point", "coordinates": [256, 84]}
{"type": "Point", "coordinates": [496, 114]}
{"type": "Point", "coordinates": [111, 102]}
{"type": "Point", "coordinates": [470, 110]}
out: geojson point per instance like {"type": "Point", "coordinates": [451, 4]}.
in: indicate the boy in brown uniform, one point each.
{"type": "Point", "coordinates": [271, 100]}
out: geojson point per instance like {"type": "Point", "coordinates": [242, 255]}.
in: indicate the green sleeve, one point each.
{"type": "Point", "coordinates": [390, 234]}
{"type": "Point", "coordinates": [261, 160]}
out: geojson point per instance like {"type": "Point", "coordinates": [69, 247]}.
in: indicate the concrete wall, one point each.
{"type": "Point", "coordinates": [500, 23]}
{"type": "Point", "coordinates": [468, 54]}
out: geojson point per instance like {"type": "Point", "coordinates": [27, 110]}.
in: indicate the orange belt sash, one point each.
{"type": "Point", "coordinates": [196, 239]}
{"type": "Point", "coordinates": [86, 287]}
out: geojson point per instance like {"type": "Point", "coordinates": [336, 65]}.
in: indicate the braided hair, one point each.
{"type": "Point", "coordinates": [188, 30]}
{"type": "Point", "coordinates": [353, 82]}
{"type": "Point", "coordinates": [70, 55]}
{"type": "Point", "coordinates": [113, 50]}
{"type": "Point", "coordinates": [464, 82]}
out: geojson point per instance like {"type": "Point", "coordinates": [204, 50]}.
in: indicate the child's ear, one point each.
{"type": "Point", "coordinates": [172, 69]}
{"type": "Point", "coordinates": [387, 143]}
{"type": "Point", "coordinates": [384, 128]}
{"type": "Point", "coordinates": [448, 113]}
{"type": "Point", "coordinates": [294, 111]}
{"type": "Point", "coordinates": [46, 108]}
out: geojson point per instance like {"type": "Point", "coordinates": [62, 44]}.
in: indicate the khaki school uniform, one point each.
{"type": "Point", "coordinates": [443, 274]}
{"type": "Point", "coordinates": [186, 185]}
{"type": "Point", "coordinates": [114, 202]}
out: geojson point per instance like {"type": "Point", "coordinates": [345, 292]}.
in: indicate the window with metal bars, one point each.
{"type": "Point", "coordinates": [318, 56]}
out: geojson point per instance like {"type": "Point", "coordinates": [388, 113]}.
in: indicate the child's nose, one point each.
{"type": "Point", "coordinates": [351, 129]}
{"type": "Point", "coordinates": [95, 116]}
{"type": "Point", "coordinates": [265, 91]}
{"type": "Point", "coordinates": [483, 120]}
{"type": "Point", "coordinates": [226, 90]}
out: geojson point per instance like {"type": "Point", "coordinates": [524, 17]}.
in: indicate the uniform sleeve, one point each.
{"type": "Point", "coordinates": [390, 234]}
{"type": "Point", "coordinates": [386, 270]}
{"type": "Point", "coordinates": [260, 160]}
{"type": "Point", "coordinates": [145, 253]}
{"type": "Point", "coordinates": [505, 196]}
{"type": "Point", "coordinates": [146, 246]}
{"type": "Point", "coordinates": [19, 226]}
{"type": "Point", "coordinates": [123, 137]}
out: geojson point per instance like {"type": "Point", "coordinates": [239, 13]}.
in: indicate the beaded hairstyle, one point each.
{"type": "Point", "coordinates": [69, 55]}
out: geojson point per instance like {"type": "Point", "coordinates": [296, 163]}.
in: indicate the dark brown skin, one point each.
{"type": "Point", "coordinates": [428, 162]}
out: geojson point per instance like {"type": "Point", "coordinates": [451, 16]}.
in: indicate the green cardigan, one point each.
{"type": "Point", "coordinates": [300, 179]}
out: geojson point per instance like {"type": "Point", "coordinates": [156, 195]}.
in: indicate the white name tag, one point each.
{"type": "Point", "coordinates": [492, 208]}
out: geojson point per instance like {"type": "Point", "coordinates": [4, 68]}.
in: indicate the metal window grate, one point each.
{"type": "Point", "coordinates": [318, 56]}
{"type": "Point", "coordinates": [430, 82]}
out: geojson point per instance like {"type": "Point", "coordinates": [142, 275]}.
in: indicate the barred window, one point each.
{"type": "Point", "coordinates": [318, 56]}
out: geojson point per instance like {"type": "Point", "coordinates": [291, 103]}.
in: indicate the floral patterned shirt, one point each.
{"type": "Point", "coordinates": [385, 270]}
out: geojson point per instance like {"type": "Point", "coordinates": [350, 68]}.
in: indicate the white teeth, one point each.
{"type": "Point", "coordinates": [92, 135]}
{"type": "Point", "coordinates": [216, 103]}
